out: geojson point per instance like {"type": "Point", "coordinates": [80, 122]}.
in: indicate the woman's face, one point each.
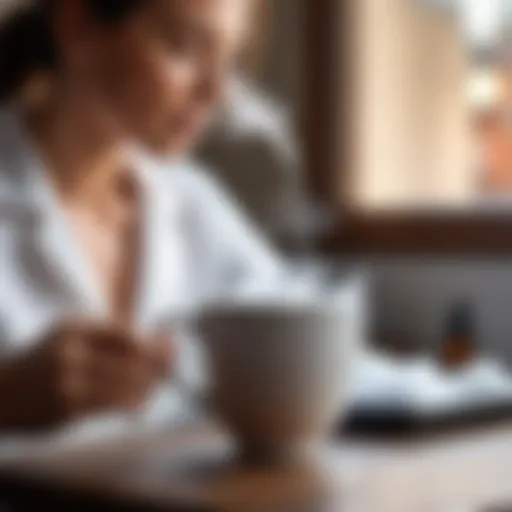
{"type": "Point", "coordinates": [161, 72]}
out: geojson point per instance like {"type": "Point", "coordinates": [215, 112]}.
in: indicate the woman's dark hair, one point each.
{"type": "Point", "coordinates": [27, 42]}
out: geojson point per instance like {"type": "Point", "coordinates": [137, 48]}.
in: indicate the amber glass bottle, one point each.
{"type": "Point", "coordinates": [459, 345]}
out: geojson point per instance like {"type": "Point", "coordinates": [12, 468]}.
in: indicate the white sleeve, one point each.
{"type": "Point", "coordinates": [234, 259]}
{"type": "Point", "coordinates": [241, 259]}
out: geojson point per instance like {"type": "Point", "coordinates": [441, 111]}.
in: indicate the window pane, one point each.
{"type": "Point", "coordinates": [432, 104]}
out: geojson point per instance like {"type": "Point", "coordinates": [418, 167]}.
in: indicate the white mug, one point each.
{"type": "Point", "coordinates": [279, 373]}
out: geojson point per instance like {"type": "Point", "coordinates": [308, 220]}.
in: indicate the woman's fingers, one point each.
{"type": "Point", "coordinates": [123, 378]}
{"type": "Point", "coordinates": [113, 396]}
{"type": "Point", "coordinates": [165, 354]}
{"type": "Point", "coordinates": [107, 367]}
{"type": "Point", "coordinates": [79, 368]}
{"type": "Point", "coordinates": [118, 340]}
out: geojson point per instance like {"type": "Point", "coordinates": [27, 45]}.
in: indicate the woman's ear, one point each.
{"type": "Point", "coordinates": [37, 91]}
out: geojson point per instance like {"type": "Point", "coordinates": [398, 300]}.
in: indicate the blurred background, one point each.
{"type": "Point", "coordinates": [373, 139]}
{"type": "Point", "coordinates": [394, 119]}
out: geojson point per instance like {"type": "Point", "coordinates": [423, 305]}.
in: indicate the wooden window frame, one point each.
{"type": "Point", "coordinates": [328, 55]}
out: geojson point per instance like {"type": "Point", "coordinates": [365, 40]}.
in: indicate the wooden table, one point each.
{"type": "Point", "coordinates": [193, 469]}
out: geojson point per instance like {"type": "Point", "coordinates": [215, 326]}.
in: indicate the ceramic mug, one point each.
{"type": "Point", "coordinates": [279, 373]}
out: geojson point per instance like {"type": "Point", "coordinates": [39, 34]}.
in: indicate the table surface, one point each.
{"type": "Point", "coordinates": [194, 468]}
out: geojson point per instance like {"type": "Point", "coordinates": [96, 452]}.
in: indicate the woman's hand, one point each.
{"type": "Point", "coordinates": [80, 369]}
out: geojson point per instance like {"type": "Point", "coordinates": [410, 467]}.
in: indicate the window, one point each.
{"type": "Point", "coordinates": [410, 121]}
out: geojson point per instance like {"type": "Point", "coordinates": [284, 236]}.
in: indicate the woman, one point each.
{"type": "Point", "coordinates": [101, 243]}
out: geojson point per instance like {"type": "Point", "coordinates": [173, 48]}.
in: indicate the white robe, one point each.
{"type": "Point", "coordinates": [196, 244]}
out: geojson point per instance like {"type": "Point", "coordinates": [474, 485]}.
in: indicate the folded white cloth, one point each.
{"type": "Point", "coordinates": [421, 386]}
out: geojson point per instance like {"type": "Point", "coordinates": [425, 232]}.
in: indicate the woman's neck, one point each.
{"type": "Point", "coordinates": [80, 148]}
